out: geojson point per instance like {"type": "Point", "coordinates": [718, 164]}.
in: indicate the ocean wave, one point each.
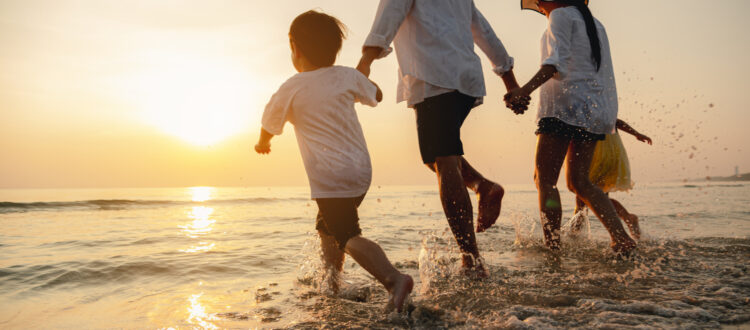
{"type": "Point", "coordinates": [99, 272]}
{"type": "Point", "coordinates": [123, 204]}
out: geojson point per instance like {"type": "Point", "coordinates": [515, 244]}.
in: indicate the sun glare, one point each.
{"type": "Point", "coordinates": [201, 101]}
{"type": "Point", "coordinates": [200, 194]}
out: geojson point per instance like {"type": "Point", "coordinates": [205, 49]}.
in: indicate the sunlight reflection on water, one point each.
{"type": "Point", "coordinates": [202, 224]}
{"type": "Point", "coordinates": [198, 313]}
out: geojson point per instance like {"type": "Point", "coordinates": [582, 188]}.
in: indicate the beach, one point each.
{"type": "Point", "coordinates": [207, 257]}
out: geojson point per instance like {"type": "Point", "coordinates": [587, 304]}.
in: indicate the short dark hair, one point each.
{"type": "Point", "coordinates": [317, 36]}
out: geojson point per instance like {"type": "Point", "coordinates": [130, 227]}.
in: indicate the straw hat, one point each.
{"type": "Point", "coordinates": [531, 4]}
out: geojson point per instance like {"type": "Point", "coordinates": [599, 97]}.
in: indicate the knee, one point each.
{"type": "Point", "coordinates": [579, 184]}
{"type": "Point", "coordinates": [571, 186]}
{"type": "Point", "coordinates": [543, 183]}
{"type": "Point", "coordinates": [431, 166]}
{"type": "Point", "coordinates": [446, 163]}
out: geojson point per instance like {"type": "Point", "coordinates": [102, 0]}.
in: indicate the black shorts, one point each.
{"type": "Point", "coordinates": [338, 217]}
{"type": "Point", "coordinates": [554, 126]}
{"type": "Point", "coordinates": [439, 120]}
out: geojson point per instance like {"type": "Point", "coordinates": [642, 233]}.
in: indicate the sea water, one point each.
{"type": "Point", "coordinates": [207, 257]}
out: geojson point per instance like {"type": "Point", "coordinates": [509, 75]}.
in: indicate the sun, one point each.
{"type": "Point", "coordinates": [201, 101]}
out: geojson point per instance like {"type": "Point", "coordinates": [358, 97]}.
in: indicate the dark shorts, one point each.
{"type": "Point", "coordinates": [439, 120]}
{"type": "Point", "coordinates": [338, 217]}
{"type": "Point", "coordinates": [554, 126]}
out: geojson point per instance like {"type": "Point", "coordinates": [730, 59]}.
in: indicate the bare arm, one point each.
{"type": "Point", "coordinates": [509, 79]}
{"type": "Point", "coordinates": [369, 54]}
{"type": "Point", "coordinates": [623, 126]}
{"type": "Point", "coordinates": [389, 16]}
{"type": "Point", "coordinates": [264, 142]}
{"type": "Point", "coordinates": [545, 73]}
{"type": "Point", "coordinates": [521, 95]}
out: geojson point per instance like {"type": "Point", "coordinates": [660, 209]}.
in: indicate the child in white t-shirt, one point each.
{"type": "Point", "coordinates": [319, 102]}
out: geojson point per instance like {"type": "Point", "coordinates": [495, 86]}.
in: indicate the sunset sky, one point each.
{"type": "Point", "coordinates": [170, 93]}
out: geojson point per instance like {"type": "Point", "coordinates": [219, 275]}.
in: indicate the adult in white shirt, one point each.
{"type": "Point", "coordinates": [577, 108]}
{"type": "Point", "coordinates": [440, 76]}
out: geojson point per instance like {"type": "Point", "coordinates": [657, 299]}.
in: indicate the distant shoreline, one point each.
{"type": "Point", "coordinates": [740, 177]}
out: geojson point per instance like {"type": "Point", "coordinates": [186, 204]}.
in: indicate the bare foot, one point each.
{"type": "Point", "coordinates": [475, 273]}
{"type": "Point", "coordinates": [332, 281]}
{"type": "Point", "coordinates": [635, 229]}
{"type": "Point", "coordinates": [399, 292]}
{"type": "Point", "coordinates": [474, 267]}
{"type": "Point", "coordinates": [577, 222]}
{"type": "Point", "coordinates": [624, 248]}
{"type": "Point", "coordinates": [490, 197]}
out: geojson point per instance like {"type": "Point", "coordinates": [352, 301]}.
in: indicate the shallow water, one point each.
{"type": "Point", "coordinates": [248, 257]}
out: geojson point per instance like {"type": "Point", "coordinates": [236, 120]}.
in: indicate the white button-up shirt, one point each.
{"type": "Point", "coordinates": [434, 43]}
{"type": "Point", "coordinates": [578, 95]}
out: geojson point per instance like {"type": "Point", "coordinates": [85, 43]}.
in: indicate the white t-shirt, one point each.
{"type": "Point", "coordinates": [320, 105]}
{"type": "Point", "coordinates": [578, 94]}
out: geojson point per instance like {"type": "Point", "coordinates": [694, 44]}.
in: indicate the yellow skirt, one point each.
{"type": "Point", "coordinates": [610, 169]}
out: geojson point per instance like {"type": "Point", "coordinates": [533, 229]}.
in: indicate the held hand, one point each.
{"type": "Point", "coordinates": [263, 148]}
{"type": "Point", "coordinates": [369, 54]}
{"type": "Point", "coordinates": [517, 100]}
{"type": "Point", "coordinates": [644, 138]}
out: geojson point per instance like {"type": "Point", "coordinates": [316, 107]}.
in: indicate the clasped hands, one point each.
{"type": "Point", "coordinates": [517, 100]}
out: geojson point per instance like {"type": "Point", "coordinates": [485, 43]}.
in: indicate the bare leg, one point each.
{"type": "Point", "coordinates": [333, 258]}
{"type": "Point", "coordinates": [579, 162]}
{"type": "Point", "coordinates": [550, 154]}
{"type": "Point", "coordinates": [580, 205]}
{"type": "Point", "coordinates": [578, 221]}
{"type": "Point", "coordinates": [371, 257]}
{"type": "Point", "coordinates": [489, 195]}
{"type": "Point", "coordinates": [630, 219]}
{"type": "Point", "coordinates": [457, 208]}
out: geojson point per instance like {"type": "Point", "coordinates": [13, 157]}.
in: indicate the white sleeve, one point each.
{"type": "Point", "coordinates": [365, 91]}
{"type": "Point", "coordinates": [390, 15]}
{"type": "Point", "coordinates": [489, 43]}
{"type": "Point", "coordinates": [277, 111]}
{"type": "Point", "coordinates": [559, 33]}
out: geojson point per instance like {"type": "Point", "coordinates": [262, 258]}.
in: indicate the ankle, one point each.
{"type": "Point", "coordinates": [390, 281]}
{"type": "Point", "coordinates": [470, 260]}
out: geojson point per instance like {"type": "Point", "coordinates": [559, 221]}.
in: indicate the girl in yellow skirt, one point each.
{"type": "Point", "coordinates": [610, 171]}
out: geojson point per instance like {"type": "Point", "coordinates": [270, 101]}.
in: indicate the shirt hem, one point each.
{"type": "Point", "coordinates": [339, 194]}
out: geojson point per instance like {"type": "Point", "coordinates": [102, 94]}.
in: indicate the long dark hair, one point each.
{"type": "Point", "coordinates": [588, 18]}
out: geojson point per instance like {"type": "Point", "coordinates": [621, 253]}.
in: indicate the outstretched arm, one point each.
{"type": "Point", "coordinates": [490, 44]}
{"type": "Point", "coordinates": [623, 126]}
{"type": "Point", "coordinates": [264, 142]}
{"type": "Point", "coordinates": [369, 55]}
{"type": "Point", "coordinates": [390, 15]}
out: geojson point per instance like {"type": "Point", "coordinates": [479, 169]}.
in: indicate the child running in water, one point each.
{"type": "Point", "coordinates": [319, 102]}
{"type": "Point", "coordinates": [576, 109]}
{"type": "Point", "coordinates": [610, 171]}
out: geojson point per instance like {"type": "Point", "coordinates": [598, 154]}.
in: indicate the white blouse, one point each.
{"type": "Point", "coordinates": [578, 94]}
{"type": "Point", "coordinates": [320, 105]}
{"type": "Point", "coordinates": [434, 43]}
